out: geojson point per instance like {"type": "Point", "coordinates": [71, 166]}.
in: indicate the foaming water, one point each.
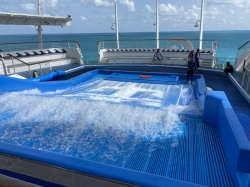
{"type": "Point", "coordinates": [96, 118]}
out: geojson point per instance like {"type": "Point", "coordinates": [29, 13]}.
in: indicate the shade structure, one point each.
{"type": "Point", "coordinates": [31, 19]}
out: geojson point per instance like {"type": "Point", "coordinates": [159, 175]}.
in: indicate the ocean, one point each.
{"type": "Point", "coordinates": [229, 41]}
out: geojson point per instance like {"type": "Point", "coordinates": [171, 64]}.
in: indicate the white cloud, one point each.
{"type": "Point", "coordinates": [170, 9]}
{"type": "Point", "coordinates": [149, 8]}
{"type": "Point", "coordinates": [97, 3]}
{"type": "Point", "coordinates": [83, 19]}
{"type": "Point", "coordinates": [113, 16]}
{"type": "Point", "coordinates": [238, 3]}
{"type": "Point", "coordinates": [51, 3]}
{"type": "Point", "coordinates": [100, 17]}
{"type": "Point", "coordinates": [28, 6]}
{"type": "Point", "coordinates": [129, 4]}
{"type": "Point", "coordinates": [232, 11]}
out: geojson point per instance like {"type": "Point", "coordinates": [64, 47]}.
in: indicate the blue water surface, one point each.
{"type": "Point", "coordinates": [229, 41]}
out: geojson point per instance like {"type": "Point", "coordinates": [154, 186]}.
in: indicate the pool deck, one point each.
{"type": "Point", "coordinates": [213, 80]}
{"type": "Point", "coordinates": [238, 102]}
{"type": "Point", "coordinates": [174, 158]}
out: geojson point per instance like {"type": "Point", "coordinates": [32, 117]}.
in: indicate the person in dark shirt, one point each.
{"type": "Point", "coordinates": [191, 67]}
{"type": "Point", "coordinates": [197, 58]}
{"type": "Point", "coordinates": [229, 69]}
{"type": "Point", "coordinates": [157, 56]}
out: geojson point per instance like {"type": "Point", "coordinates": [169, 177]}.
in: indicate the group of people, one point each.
{"type": "Point", "coordinates": [193, 63]}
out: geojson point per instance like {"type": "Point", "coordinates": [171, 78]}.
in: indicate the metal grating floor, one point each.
{"type": "Point", "coordinates": [196, 157]}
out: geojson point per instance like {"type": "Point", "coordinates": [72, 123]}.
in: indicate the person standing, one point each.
{"type": "Point", "coordinates": [191, 67]}
{"type": "Point", "coordinates": [157, 56]}
{"type": "Point", "coordinates": [197, 58]}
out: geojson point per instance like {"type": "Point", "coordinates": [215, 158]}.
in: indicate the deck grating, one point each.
{"type": "Point", "coordinates": [195, 157]}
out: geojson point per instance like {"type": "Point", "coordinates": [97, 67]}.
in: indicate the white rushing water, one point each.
{"type": "Point", "coordinates": [113, 116]}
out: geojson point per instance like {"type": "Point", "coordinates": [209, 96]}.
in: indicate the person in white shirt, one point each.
{"type": "Point", "coordinates": [157, 56]}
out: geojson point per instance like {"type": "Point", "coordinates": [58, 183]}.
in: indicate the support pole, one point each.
{"type": "Point", "coordinates": [116, 24]}
{"type": "Point", "coordinates": [157, 25]}
{"type": "Point", "coordinates": [201, 25]}
{"type": "Point", "coordinates": [39, 27]}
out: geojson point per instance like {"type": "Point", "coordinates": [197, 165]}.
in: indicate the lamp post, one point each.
{"type": "Point", "coordinates": [201, 24]}
{"type": "Point", "coordinates": [157, 25]}
{"type": "Point", "coordinates": [116, 24]}
{"type": "Point", "coordinates": [39, 27]}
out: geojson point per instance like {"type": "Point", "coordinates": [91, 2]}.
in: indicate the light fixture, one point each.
{"type": "Point", "coordinates": [197, 24]}
{"type": "Point", "coordinates": [113, 27]}
{"type": "Point", "coordinates": [154, 24]}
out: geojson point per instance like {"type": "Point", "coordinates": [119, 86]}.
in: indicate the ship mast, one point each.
{"type": "Point", "coordinates": [201, 24]}
{"type": "Point", "coordinates": [157, 25]}
{"type": "Point", "coordinates": [116, 24]}
{"type": "Point", "coordinates": [39, 27]}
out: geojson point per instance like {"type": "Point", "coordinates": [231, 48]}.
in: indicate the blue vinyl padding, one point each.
{"type": "Point", "coordinates": [35, 53]}
{"type": "Point", "coordinates": [18, 55]}
{"type": "Point", "coordinates": [56, 51]}
{"type": "Point", "coordinates": [93, 168]}
{"type": "Point", "coordinates": [218, 112]}
{"type": "Point", "coordinates": [27, 54]}
{"type": "Point", "coordinates": [48, 77]}
{"type": "Point", "coordinates": [181, 76]}
{"type": "Point", "coordinates": [43, 53]}
{"type": "Point", "coordinates": [9, 84]}
{"type": "Point", "coordinates": [136, 78]}
{"type": "Point", "coordinates": [201, 90]}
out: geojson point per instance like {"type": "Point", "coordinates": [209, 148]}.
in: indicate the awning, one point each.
{"type": "Point", "coordinates": [29, 19]}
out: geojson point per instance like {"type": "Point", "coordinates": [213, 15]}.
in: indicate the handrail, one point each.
{"type": "Point", "coordinates": [154, 39]}
{"type": "Point", "coordinates": [245, 68]}
{"type": "Point", "coordinates": [30, 64]}
{"type": "Point", "coordinates": [245, 61]}
{"type": "Point", "coordinates": [178, 43]}
{"type": "Point", "coordinates": [10, 47]}
{"type": "Point", "coordinates": [78, 44]}
{"type": "Point", "coordinates": [37, 42]}
{"type": "Point", "coordinates": [19, 59]}
{"type": "Point", "coordinates": [243, 45]}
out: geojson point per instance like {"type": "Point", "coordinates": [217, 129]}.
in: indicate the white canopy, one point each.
{"type": "Point", "coordinates": [29, 19]}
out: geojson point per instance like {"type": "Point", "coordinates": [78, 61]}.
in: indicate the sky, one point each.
{"type": "Point", "coordinates": [97, 16]}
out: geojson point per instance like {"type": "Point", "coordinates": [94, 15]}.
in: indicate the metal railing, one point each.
{"type": "Point", "coordinates": [191, 44]}
{"type": "Point", "coordinates": [8, 47]}
{"type": "Point", "coordinates": [19, 65]}
{"type": "Point", "coordinates": [245, 47]}
{"type": "Point", "coordinates": [245, 84]}
{"type": "Point", "coordinates": [221, 61]}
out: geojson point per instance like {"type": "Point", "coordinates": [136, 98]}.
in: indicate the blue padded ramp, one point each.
{"type": "Point", "coordinates": [48, 77]}
{"type": "Point", "coordinates": [154, 79]}
{"type": "Point", "coordinates": [239, 104]}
